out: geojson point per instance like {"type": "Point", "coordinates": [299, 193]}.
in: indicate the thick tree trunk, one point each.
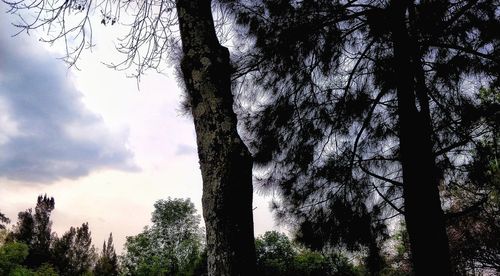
{"type": "Point", "coordinates": [225, 162]}
{"type": "Point", "coordinates": [423, 213]}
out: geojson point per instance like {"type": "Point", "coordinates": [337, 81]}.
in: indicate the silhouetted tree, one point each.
{"type": "Point", "coordinates": [35, 230]}
{"type": "Point", "coordinates": [225, 162]}
{"type": "Point", "coordinates": [474, 225]}
{"type": "Point", "coordinates": [40, 246]}
{"type": "Point", "coordinates": [73, 253]}
{"type": "Point", "coordinates": [107, 263]}
{"type": "Point", "coordinates": [61, 251]}
{"type": "Point", "coordinates": [364, 102]}
{"type": "Point", "coordinates": [46, 253]}
{"type": "Point", "coordinates": [3, 220]}
{"type": "Point", "coordinates": [24, 229]}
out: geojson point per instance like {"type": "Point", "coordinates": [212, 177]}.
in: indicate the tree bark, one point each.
{"type": "Point", "coordinates": [424, 216]}
{"type": "Point", "coordinates": [225, 162]}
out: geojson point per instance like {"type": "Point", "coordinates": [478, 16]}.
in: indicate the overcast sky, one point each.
{"type": "Point", "coordinates": [104, 149]}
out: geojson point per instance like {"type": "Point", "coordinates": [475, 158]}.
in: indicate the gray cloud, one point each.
{"type": "Point", "coordinates": [46, 133]}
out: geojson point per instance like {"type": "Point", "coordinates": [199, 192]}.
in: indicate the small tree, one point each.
{"type": "Point", "coordinates": [107, 264]}
{"type": "Point", "coordinates": [73, 253]}
{"type": "Point", "coordinates": [3, 220]}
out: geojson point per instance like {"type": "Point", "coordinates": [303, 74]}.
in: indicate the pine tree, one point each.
{"type": "Point", "coordinates": [366, 108]}
{"type": "Point", "coordinates": [35, 230]}
{"type": "Point", "coordinates": [474, 225]}
{"type": "Point", "coordinates": [107, 263]}
{"type": "Point", "coordinates": [73, 253]}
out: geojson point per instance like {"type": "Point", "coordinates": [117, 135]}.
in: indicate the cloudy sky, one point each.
{"type": "Point", "coordinates": [103, 148]}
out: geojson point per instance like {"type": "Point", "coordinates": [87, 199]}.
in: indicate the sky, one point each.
{"type": "Point", "coordinates": [104, 147]}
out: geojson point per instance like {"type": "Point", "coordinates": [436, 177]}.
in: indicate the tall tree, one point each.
{"type": "Point", "coordinates": [39, 249]}
{"type": "Point", "coordinates": [24, 229]}
{"type": "Point", "coordinates": [73, 253]}
{"type": "Point", "coordinates": [107, 264]}
{"type": "Point", "coordinates": [225, 162]}
{"type": "Point", "coordinates": [171, 246]}
{"type": "Point", "coordinates": [35, 230]}
{"type": "Point", "coordinates": [365, 103]}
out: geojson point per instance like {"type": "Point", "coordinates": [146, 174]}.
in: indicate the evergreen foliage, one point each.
{"type": "Point", "coordinates": [362, 109]}
{"type": "Point", "coordinates": [73, 253]}
{"type": "Point", "coordinates": [107, 263]}
{"type": "Point", "coordinates": [39, 251]}
{"type": "Point", "coordinates": [356, 112]}
{"type": "Point", "coordinates": [35, 230]}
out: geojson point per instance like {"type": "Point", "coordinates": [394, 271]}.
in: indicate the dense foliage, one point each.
{"type": "Point", "coordinates": [107, 263]}
{"type": "Point", "coordinates": [362, 111]}
{"type": "Point", "coordinates": [277, 255]}
{"type": "Point", "coordinates": [32, 249]}
{"type": "Point", "coordinates": [172, 245]}
{"type": "Point", "coordinates": [357, 112]}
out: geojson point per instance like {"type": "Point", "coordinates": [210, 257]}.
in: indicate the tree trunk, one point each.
{"type": "Point", "coordinates": [423, 213]}
{"type": "Point", "coordinates": [225, 162]}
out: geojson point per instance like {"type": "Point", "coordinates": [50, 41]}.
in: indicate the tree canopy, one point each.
{"type": "Point", "coordinates": [31, 248]}
{"type": "Point", "coordinates": [278, 255]}
{"type": "Point", "coordinates": [367, 109]}
{"type": "Point", "coordinates": [172, 245]}
{"type": "Point", "coordinates": [107, 263]}
{"type": "Point", "coordinates": [356, 112]}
